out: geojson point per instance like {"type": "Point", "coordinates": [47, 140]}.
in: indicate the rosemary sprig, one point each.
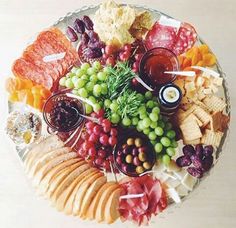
{"type": "Point", "coordinates": [119, 79]}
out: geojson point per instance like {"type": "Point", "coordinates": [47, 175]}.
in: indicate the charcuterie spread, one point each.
{"type": "Point", "coordinates": [117, 114]}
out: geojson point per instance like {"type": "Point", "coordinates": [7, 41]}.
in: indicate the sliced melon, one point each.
{"type": "Point", "coordinates": [91, 211]}
{"type": "Point", "coordinates": [67, 181]}
{"type": "Point", "coordinates": [61, 201]}
{"type": "Point", "coordinates": [60, 177]}
{"type": "Point", "coordinates": [111, 207]}
{"type": "Point", "coordinates": [100, 211]}
{"type": "Point", "coordinates": [46, 180]}
{"type": "Point", "coordinates": [50, 143]}
{"type": "Point", "coordinates": [68, 209]}
{"type": "Point", "coordinates": [51, 164]}
{"type": "Point", "coordinates": [82, 191]}
{"type": "Point", "coordinates": [46, 158]}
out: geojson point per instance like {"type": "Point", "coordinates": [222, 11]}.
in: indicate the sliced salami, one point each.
{"type": "Point", "coordinates": [161, 36]}
{"type": "Point", "coordinates": [185, 39]}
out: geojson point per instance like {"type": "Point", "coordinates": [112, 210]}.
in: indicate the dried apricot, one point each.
{"type": "Point", "coordinates": [186, 63]}
{"type": "Point", "coordinates": [181, 59]}
{"type": "Point", "coordinates": [45, 93]}
{"type": "Point", "coordinates": [13, 97]}
{"type": "Point", "coordinates": [209, 59]}
{"type": "Point", "coordinates": [204, 49]}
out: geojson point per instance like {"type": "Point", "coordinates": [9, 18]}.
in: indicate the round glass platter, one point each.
{"type": "Point", "coordinates": [68, 19]}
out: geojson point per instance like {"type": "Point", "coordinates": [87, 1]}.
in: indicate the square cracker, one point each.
{"type": "Point", "coordinates": [202, 115]}
{"type": "Point", "coordinates": [193, 117]}
{"type": "Point", "coordinates": [212, 138]}
{"type": "Point", "coordinates": [190, 130]}
{"type": "Point", "coordinates": [214, 103]}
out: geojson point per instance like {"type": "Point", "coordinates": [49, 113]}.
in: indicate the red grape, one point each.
{"type": "Point", "coordinates": [127, 47]}
{"type": "Point", "coordinates": [85, 136]}
{"type": "Point", "coordinates": [102, 153]}
{"type": "Point", "coordinates": [71, 34]}
{"type": "Point", "coordinates": [106, 123]}
{"type": "Point", "coordinates": [134, 81]}
{"type": "Point", "coordinates": [104, 139]}
{"type": "Point", "coordinates": [93, 138]}
{"type": "Point", "coordinates": [92, 152]}
{"type": "Point", "coordinates": [100, 113]}
{"type": "Point", "coordinates": [90, 125]}
{"type": "Point", "coordinates": [111, 158]}
{"type": "Point", "coordinates": [110, 61]}
{"type": "Point", "coordinates": [106, 165]}
{"type": "Point", "coordinates": [97, 130]}
{"type": "Point", "coordinates": [98, 161]}
{"type": "Point", "coordinates": [119, 160]}
{"type": "Point", "coordinates": [109, 50]}
{"type": "Point", "coordinates": [79, 26]}
{"type": "Point", "coordinates": [124, 56]}
{"type": "Point", "coordinates": [87, 145]}
{"type": "Point", "coordinates": [113, 132]}
{"type": "Point", "coordinates": [112, 140]}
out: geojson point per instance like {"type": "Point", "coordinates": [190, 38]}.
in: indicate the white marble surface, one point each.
{"type": "Point", "coordinates": [212, 205]}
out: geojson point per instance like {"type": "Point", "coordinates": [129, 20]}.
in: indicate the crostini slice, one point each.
{"type": "Point", "coordinates": [46, 180]}
{"type": "Point", "coordinates": [46, 158]}
{"type": "Point", "coordinates": [51, 164]}
{"type": "Point", "coordinates": [82, 191]}
{"type": "Point", "coordinates": [68, 209]}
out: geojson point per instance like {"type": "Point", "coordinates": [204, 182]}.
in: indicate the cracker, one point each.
{"type": "Point", "coordinates": [193, 142]}
{"type": "Point", "coordinates": [218, 81]}
{"type": "Point", "coordinates": [214, 103]}
{"type": "Point", "coordinates": [202, 115]}
{"type": "Point", "coordinates": [212, 138]}
{"type": "Point", "coordinates": [190, 130]}
{"type": "Point", "coordinates": [215, 123]}
{"type": "Point", "coordinates": [192, 117]}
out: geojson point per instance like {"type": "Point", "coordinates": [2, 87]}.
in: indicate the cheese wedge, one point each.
{"type": "Point", "coordinates": [82, 191]}
{"type": "Point", "coordinates": [100, 211]}
{"type": "Point", "coordinates": [67, 181]}
{"type": "Point", "coordinates": [111, 207]}
{"type": "Point", "coordinates": [61, 201]}
{"type": "Point", "coordinates": [46, 158]}
{"type": "Point", "coordinates": [68, 209]}
{"type": "Point", "coordinates": [90, 194]}
{"type": "Point", "coordinates": [43, 147]}
{"type": "Point", "coordinates": [46, 180]}
{"type": "Point", "coordinates": [90, 214]}
{"type": "Point", "coordinates": [60, 177]}
{"type": "Point", "coordinates": [51, 164]}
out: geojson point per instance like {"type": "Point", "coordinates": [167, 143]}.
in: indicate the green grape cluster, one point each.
{"type": "Point", "coordinates": [88, 81]}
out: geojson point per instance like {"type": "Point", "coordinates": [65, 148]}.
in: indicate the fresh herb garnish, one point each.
{"type": "Point", "coordinates": [119, 79]}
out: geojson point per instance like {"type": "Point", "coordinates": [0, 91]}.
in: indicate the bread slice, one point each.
{"type": "Point", "coordinates": [50, 143]}
{"type": "Point", "coordinates": [60, 177]}
{"type": "Point", "coordinates": [111, 208]}
{"type": "Point", "coordinates": [68, 209]}
{"type": "Point", "coordinates": [61, 201]}
{"type": "Point", "coordinates": [91, 211]}
{"type": "Point", "coordinates": [47, 179]}
{"type": "Point", "coordinates": [82, 191]}
{"type": "Point", "coordinates": [67, 181]}
{"type": "Point", "coordinates": [100, 211]}
{"type": "Point", "coordinates": [51, 164]}
{"type": "Point", "coordinates": [90, 194]}
{"type": "Point", "coordinates": [46, 158]}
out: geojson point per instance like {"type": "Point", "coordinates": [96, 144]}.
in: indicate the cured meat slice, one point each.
{"type": "Point", "coordinates": [25, 69]}
{"type": "Point", "coordinates": [161, 36]}
{"type": "Point", "coordinates": [186, 38]}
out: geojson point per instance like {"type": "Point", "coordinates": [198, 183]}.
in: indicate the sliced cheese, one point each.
{"type": "Point", "coordinates": [68, 208]}
{"type": "Point", "coordinates": [46, 158]}
{"type": "Point", "coordinates": [189, 181]}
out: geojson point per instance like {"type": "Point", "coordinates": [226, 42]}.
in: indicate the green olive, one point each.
{"type": "Point", "coordinates": [139, 169]}
{"type": "Point", "coordinates": [138, 142]}
{"type": "Point", "coordinates": [142, 157]}
{"type": "Point", "coordinates": [147, 165]}
{"type": "Point", "coordinates": [129, 159]}
{"type": "Point", "coordinates": [130, 141]}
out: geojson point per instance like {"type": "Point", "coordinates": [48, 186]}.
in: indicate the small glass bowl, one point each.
{"type": "Point", "coordinates": [50, 104]}
{"type": "Point", "coordinates": [158, 57]}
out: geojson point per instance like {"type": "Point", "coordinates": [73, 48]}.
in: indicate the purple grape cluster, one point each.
{"type": "Point", "coordinates": [199, 157]}
{"type": "Point", "coordinates": [90, 46]}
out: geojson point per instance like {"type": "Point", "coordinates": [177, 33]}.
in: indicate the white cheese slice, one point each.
{"type": "Point", "coordinates": [171, 183]}
{"type": "Point", "coordinates": [182, 191]}
{"type": "Point", "coordinates": [189, 181]}
{"type": "Point", "coordinates": [181, 174]}
{"type": "Point", "coordinates": [169, 22]}
{"type": "Point", "coordinates": [173, 194]}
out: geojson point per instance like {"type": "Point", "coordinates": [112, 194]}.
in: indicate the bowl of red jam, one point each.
{"type": "Point", "coordinates": [153, 65]}
{"type": "Point", "coordinates": [62, 113]}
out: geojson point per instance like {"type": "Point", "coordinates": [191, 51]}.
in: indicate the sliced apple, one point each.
{"type": "Point", "coordinates": [44, 184]}
{"type": "Point", "coordinates": [100, 211]}
{"type": "Point", "coordinates": [90, 214]}
{"type": "Point", "coordinates": [46, 158]}
{"type": "Point", "coordinates": [50, 143]}
{"type": "Point", "coordinates": [111, 208]}
{"type": "Point", "coordinates": [60, 177]}
{"type": "Point", "coordinates": [67, 181]}
{"type": "Point", "coordinates": [61, 201]}
{"type": "Point", "coordinates": [68, 209]}
{"type": "Point", "coordinates": [82, 191]}
{"type": "Point", "coordinates": [51, 164]}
